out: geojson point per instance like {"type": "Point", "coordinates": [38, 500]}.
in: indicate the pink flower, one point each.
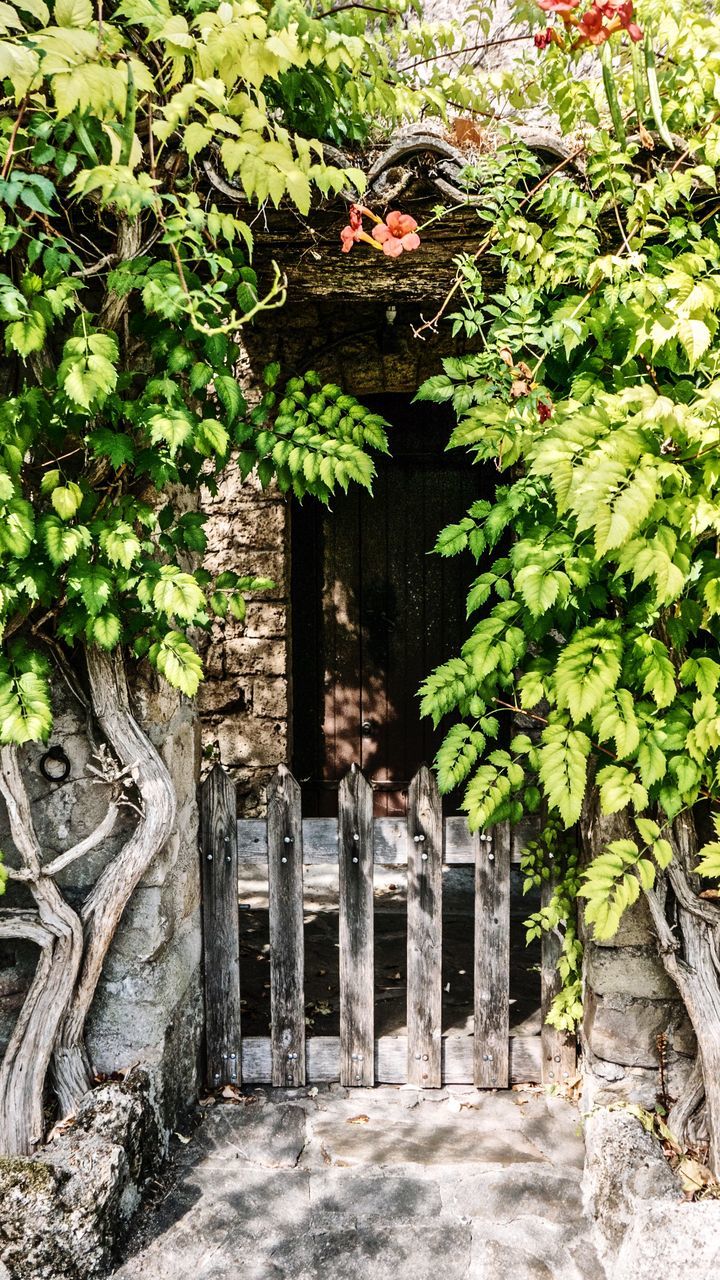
{"type": "Point", "coordinates": [349, 236]}
{"type": "Point", "coordinates": [558, 6]}
{"type": "Point", "coordinates": [398, 234]}
{"type": "Point", "coordinates": [591, 22]}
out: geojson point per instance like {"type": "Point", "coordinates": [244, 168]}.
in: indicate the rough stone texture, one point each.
{"type": "Point", "coordinates": [621, 969]}
{"type": "Point", "coordinates": [672, 1240]}
{"type": "Point", "coordinates": [349, 1185]}
{"type": "Point", "coordinates": [624, 1028]}
{"type": "Point", "coordinates": [629, 1002]}
{"type": "Point", "coordinates": [642, 1227]}
{"type": "Point", "coordinates": [65, 1209]}
{"type": "Point", "coordinates": [624, 1168]}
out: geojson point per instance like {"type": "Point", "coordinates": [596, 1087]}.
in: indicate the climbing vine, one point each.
{"type": "Point", "coordinates": [593, 387]}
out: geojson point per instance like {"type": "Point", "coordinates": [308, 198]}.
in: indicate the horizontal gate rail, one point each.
{"type": "Point", "coordinates": [390, 838]}
{"type": "Point", "coordinates": [323, 1059]}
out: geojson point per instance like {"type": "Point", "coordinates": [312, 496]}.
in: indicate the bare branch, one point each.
{"type": "Point", "coordinates": [90, 842]}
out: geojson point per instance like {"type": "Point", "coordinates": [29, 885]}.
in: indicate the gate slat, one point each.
{"type": "Point", "coordinates": [287, 958]}
{"type": "Point", "coordinates": [424, 931]}
{"type": "Point", "coordinates": [221, 930]}
{"type": "Point", "coordinates": [492, 960]}
{"type": "Point", "coordinates": [559, 1048]}
{"type": "Point", "coordinates": [357, 993]}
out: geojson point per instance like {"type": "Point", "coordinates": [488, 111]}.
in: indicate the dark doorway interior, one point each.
{"type": "Point", "coordinates": [374, 613]}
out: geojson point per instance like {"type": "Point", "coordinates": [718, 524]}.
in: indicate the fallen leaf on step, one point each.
{"type": "Point", "coordinates": [359, 1120]}
{"type": "Point", "coordinates": [181, 1138]}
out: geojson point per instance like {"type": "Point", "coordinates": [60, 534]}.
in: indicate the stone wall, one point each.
{"type": "Point", "coordinates": [148, 1007]}
{"type": "Point", "coordinates": [244, 700]}
{"type": "Point", "coordinates": [629, 1003]}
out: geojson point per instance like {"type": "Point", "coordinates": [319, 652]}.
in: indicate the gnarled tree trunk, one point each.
{"type": "Point", "coordinates": [106, 902]}
{"type": "Point", "coordinates": [688, 933]}
{"type": "Point", "coordinates": [73, 946]}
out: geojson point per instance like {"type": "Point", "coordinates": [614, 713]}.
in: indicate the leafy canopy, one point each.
{"type": "Point", "coordinates": [127, 137]}
{"type": "Point", "coordinates": [595, 387]}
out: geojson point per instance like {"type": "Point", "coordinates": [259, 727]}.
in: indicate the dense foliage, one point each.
{"type": "Point", "coordinates": [126, 279]}
{"type": "Point", "coordinates": [595, 388]}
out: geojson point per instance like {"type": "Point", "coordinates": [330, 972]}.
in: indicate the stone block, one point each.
{"type": "Point", "coordinates": [264, 619]}
{"type": "Point", "coordinates": [624, 1168]}
{"type": "Point", "coordinates": [637, 971]}
{"type": "Point", "coordinates": [624, 1029]}
{"type": "Point", "coordinates": [636, 928]}
{"type": "Point", "coordinates": [264, 564]}
{"type": "Point", "coordinates": [270, 698]}
{"type": "Point", "coordinates": [225, 695]}
{"type": "Point", "coordinates": [251, 741]}
{"type": "Point", "coordinates": [247, 654]}
{"type": "Point", "coordinates": [259, 525]}
{"type": "Point", "coordinates": [66, 1209]}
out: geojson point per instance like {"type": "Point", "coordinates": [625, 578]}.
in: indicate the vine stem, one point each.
{"type": "Point", "coordinates": [13, 139]}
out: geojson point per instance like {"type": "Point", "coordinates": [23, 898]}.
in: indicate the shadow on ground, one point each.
{"type": "Point", "coordinates": [383, 1184]}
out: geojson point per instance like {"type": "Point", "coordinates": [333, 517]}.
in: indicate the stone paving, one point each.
{"type": "Point", "coordinates": [383, 1184]}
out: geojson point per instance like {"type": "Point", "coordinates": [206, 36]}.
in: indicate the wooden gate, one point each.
{"type": "Point", "coordinates": [356, 841]}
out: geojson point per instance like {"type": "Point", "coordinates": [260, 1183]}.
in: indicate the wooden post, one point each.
{"type": "Point", "coordinates": [357, 994]}
{"type": "Point", "coordinates": [287, 946]}
{"type": "Point", "coordinates": [492, 960]}
{"type": "Point", "coordinates": [424, 931]}
{"type": "Point", "coordinates": [559, 1048]}
{"type": "Point", "coordinates": [221, 932]}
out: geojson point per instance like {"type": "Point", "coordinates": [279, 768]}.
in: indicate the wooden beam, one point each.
{"type": "Point", "coordinates": [390, 1055]}
{"type": "Point", "coordinates": [424, 931]}
{"type": "Point", "coordinates": [287, 948]}
{"type": "Point", "coordinates": [492, 961]}
{"type": "Point", "coordinates": [221, 941]}
{"type": "Point", "coordinates": [357, 985]}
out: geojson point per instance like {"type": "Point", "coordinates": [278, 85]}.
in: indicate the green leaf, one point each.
{"type": "Point", "coordinates": [120, 544]}
{"type": "Point", "coordinates": [176, 659]}
{"type": "Point", "coordinates": [93, 584]}
{"type": "Point", "coordinates": [106, 630]}
{"type": "Point", "coordinates": [66, 499]}
{"type": "Point", "coordinates": [25, 707]}
{"type": "Point", "coordinates": [540, 587]}
{"type": "Point", "coordinates": [230, 396]}
{"type": "Point", "coordinates": [177, 594]}
{"type": "Point", "coordinates": [73, 13]}
{"type": "Point", "coordinates": [709, 864]}
{"type": "Point", "coordinates": [588, 669]}
{"type": "Point", "coordinates": [563, 770]}
{"type": "Point", "coordinates": [62, 543]}
{"type": "Point", "coordinates": [619, 788]}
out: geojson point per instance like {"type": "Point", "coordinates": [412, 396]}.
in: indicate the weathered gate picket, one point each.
{"type": "Point", "coordinates": [423, 841]}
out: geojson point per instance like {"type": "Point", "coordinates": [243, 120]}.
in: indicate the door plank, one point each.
{"type": "Point", "coordinates": [287, 952]}
{"type": "Point", "coordinates": [424, 931]}
{"type": "Point", "coordinates": [341, 614]}
{"type": "Point", "coordinates": [374, 632]}
{"type": "Point", "coordinates": [221, 928]}
{"type": "Point", "coordinates": [492, 960]}
{"type": "Point", "coordinates": [559, 1048]}
{"type": "Point", "coordinates": [357, 989]}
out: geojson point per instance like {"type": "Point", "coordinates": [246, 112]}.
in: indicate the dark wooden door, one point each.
{"type": "Point", "coordinates": [373, 612]}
